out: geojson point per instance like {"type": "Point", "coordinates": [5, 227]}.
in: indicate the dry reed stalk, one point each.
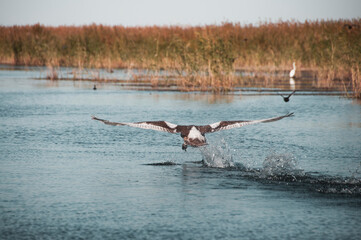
{"type": "Point", "coordinates": [325, 78]}
{"type": "Point", "coordinates": [52, 74]}
{"type": "Point", "coordinates": [154, 80]}
{"type": "Point", "coordinates": [207, 54]}
{"type": "Point", "coordinates": [356, 82]}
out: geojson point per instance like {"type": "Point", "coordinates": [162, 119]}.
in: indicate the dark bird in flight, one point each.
{"type": "Point", "coordinates": [192, 135]}
{"type": "Point", "coordinates": [287, 98]}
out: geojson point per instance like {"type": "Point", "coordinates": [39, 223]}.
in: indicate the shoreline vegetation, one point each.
{"type": "Point", "coordinates": [204, 58]}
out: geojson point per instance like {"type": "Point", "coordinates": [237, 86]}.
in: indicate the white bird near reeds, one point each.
{"type": "Point", "coordinates": [293, 71]}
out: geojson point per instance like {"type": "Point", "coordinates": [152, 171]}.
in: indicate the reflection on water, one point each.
{"type": "Point", "coordinates": [292, 84]}
{"type": "Point", "coordinates": [349, 125]}
{"type": "Point", "coordinates": [203, 97]}
{"type": "Point", "coordinates": [63, 175]}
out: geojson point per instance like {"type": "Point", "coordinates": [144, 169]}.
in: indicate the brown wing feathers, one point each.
{"type": "Point", "coordinates": [173, 128]}
{"type": "Point", "coordinates": [153, 125]}
{"type": "Point", "coordinates": [224, 125]}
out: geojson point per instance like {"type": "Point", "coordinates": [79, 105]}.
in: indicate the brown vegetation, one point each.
{"type": "Point", "coordinates": [203, 57]}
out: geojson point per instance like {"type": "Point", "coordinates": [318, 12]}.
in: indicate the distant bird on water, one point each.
{"type": "Point", "coordinates": [95, 87]}
{"type": "Point", "coordinates": [287, 98]}
{"type": "Point", "coordinates": [192, 135]}
{"type": "Point", "coordinates": [293, 71]}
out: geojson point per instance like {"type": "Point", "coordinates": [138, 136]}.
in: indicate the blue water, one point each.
{"type": "Point", "coordinates": [63, 175]}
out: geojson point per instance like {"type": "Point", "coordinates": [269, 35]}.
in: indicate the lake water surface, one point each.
{"type": "Point", "coordinates": [63, 175]}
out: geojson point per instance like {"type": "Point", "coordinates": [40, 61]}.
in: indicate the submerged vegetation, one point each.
{"type": "Point", "coordinates": [203, 57]}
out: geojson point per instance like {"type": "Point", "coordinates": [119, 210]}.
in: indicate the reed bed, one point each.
{"type": "Point", "coordinates": [204, 57]}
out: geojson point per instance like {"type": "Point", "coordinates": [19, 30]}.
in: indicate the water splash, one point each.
{"type": "Point", "coordinates": [281, 169]}
{"type": "Point", "coordinates": [279, 166]}
{"type": "Point", "coordinates": [217, 155]}
{"type": "Point", "coordinates": [284, 168]}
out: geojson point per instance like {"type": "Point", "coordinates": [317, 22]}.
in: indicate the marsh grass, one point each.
{"type": "Point", "coordinates": [201, 57]}
{"type": "Point", "coordinates": [52, 73]}
{"type": "Point", "coordinates": [356, 82]}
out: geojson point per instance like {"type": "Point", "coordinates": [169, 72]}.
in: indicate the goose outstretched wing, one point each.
{"type": "Point", "coordinates": [161, 126]}
{"type": "Point", "coordinates": [225, 125]}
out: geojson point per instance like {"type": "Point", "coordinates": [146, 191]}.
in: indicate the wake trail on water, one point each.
{"type": "Point", "coordinates": [281, 168]}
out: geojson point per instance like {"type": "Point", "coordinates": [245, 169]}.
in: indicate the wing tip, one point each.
{"type": "Point", "coordinates": [95, 118]}
{"type": "Point", "coordinates": [290, 114]}
{"type": "Point", "coordinates": [99, 119]}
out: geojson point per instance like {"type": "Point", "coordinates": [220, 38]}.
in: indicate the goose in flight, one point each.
{"type": "Point", "coordinates": [293, 71]}
{"type": "Point", "coordinates": [192, 135]}
{"type": "Point", "coordinates": [287, 98]}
